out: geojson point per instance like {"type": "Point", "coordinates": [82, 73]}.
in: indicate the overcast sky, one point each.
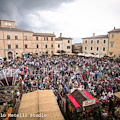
{"type": "Point", "coordinates": [72, 18]}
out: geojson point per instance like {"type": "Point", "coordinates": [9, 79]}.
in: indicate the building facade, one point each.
{"type": "Point", "coordinates": [114, 43]}
{"type": "Point", "coordinates": [63, 43]}
{"type": "Point", "coordinates": [96, 44]}
{"type": "Point", "coordinates": [77, 48]}
{"type": "Point", "coordinates": [18, 42]}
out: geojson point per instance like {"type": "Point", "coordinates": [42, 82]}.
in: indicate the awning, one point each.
{"type": "Point", "coordinates": [57, 54]}
{"type": "Point", "coordinates": [73, 100]}
{"type": "Point", "coordinates": [26, 53]}
{"type": "Point", "coordinates": [70, 53]}
{"type": "Point", "coordinates": [88, 95]}
{"type": "Point", "coordinates": [81, 54]}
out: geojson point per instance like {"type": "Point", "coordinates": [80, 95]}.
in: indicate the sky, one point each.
{"type": "Point", "coordinates": [73, 18]}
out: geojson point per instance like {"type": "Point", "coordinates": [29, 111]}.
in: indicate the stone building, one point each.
{"type": "Point", "coordinates": [114, 43]}
{"type": "Point", "coordinates": [96, 44]}
{"type": "Point", "coordinates": [77, 48]}
{"type": "Point", "coordinates": [63, 43]}
{"type": "Point", "coordinates": [18, 42]}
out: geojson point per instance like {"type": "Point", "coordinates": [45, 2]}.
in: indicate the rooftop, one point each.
{"type": "Point", "coordinates": [115, 30]}
{"type": "Point", "coordinates": [77, 44]}
{"type": "Point", "coordinates": [61, 38]}
{"type": "Point", "coordinates": [44, 34]}
{"type": "Point", "coordinates": [13, 29]}
{"type": "Point", "coordinates": [94, 37]}
{"type": "Point", "coordinates": [40, 102]}
{"type": "Point", "coordinates": [77, 98]}
{"type": "Point", "coordinates": [7, 20]}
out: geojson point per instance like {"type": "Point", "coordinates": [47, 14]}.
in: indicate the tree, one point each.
{"type": "Point", "coordinates": [62, 51]}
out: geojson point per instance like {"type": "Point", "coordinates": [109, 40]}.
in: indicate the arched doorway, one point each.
{"type": "Point", "coordinates": [10, 55]}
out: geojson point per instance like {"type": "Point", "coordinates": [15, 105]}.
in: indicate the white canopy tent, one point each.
{"type": "Point", "coordinates": [81, 54]}
{"type": "Point", "coordinates": [98, 56]}
{"type": "Point", "coordinates": [89, 55]}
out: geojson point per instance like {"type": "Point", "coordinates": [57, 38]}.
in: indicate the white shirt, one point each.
{"type": "Point", "coordinates": [18, 93]}
{"type": "Point", "coordinates": [110, 94]}
{"type": "Point", "coordinates": [104, 98]}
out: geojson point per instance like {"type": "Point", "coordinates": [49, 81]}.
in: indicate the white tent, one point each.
{"type": "Point", "coordinates": [98, 56]}
{"type": "Point", "coordinates": [89, 55]}
{"type": "Point", "coordinates": [81, 54]}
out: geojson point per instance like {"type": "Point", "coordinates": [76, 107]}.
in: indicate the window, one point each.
{"type": "Point", "coordinates": [111, 44]}
{"type": "Point", "coordinates": [9, 46]}
{"type": "Point", "coordinates": [85, 48]}
{"type": "Point", "coordinates": [16, 46]}
{"type": "Point", "coordinates": [91, 41]}
{"type": "Point", "coordinates": [45, 46]}
{"type": "Point", "coordinates": [112, 35]}
{"type": "Point", "coordinates": [97, 48]}
{"type": "Point", "coordinates": [104, 41]}
{"type": "Point", "coordinates": [46, 52]}
{"type": "Point", "coordinates": [103, 48]}
{"type": "Point", "coordinates": [91, 48]}
{"type": "Point", "coordinates": [6, 23]}
{"type": "Point", "coordinates": [25, 37]}
{"type": "Point", "coordinates": [37, 46]}
{"type": "Point", "coordinates": [16, 37]}
{"type": "Point", "coordinates": [8, 36]}
{"type": "Point", "coordinates": [36, 38]}
{"type": "Point", "coordinates": [52, 39]}
{"type": "Point", "coordinates": [52, 46]}
{"type": "Point", "coordinates": [85, 41]}
{"type": "Point", "coordinates": [97, 41]}
{"type": "Point", "coordinates": [68, 41]}
{"type": "Point", "coordinates": [25, 46]}
{"type": "Point", "coordinates": [51, 51]}
{"type": "Point", "coordinates": [58, 45]}
{"type": "Point", "coordinates": [9, 24]}
{"type": "Point", "coordinates": [45, 39]}
{"type": "Point", "coordinates": [68, 47]}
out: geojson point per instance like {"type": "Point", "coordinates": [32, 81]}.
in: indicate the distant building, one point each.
{"type": "Point", "coordinates": [114, 43]}
{"type": "Point", "coordinates": [63, 43]}
{"type": "Point", "coordinates": [96, 44]}
{"type": "Point", "coordinates": [77, 48]}
{"type": "Point", "coordinates": [18, 42]}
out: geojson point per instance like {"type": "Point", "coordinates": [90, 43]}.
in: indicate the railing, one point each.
{"type": "Point", "coordinates": [62, 101]}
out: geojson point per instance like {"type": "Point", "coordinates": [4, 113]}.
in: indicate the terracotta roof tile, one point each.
{"type": "Point", "coordinates": [94, 37]}
{"type": "Point", "coordinates": [14, 29]}
{"type": "Point", "coordinates": [114, 30]}
{"type": "Point", "coordinates": [44, 34]}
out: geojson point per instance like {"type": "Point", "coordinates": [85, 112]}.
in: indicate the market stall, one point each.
{"type": "Point", "coordinates": [81, 101]}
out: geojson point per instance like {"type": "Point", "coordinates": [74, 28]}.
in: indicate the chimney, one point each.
{"type": "Point", "coordinates": [60, 34]}
{"type": "Point", "coordinates": [114, 28]}
{"type": "Point", "coordinates": [93, 34]}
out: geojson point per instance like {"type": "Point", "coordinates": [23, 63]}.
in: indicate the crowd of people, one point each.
{"type": "Point", "coordinates": [100, 77]}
